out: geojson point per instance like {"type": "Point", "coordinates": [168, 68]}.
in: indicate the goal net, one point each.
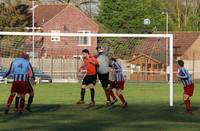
{"type": "Point", "coordinates": [144, 57]}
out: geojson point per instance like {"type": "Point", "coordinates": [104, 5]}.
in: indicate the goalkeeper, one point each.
{"type": "Point", "coordinates": [103, 74]}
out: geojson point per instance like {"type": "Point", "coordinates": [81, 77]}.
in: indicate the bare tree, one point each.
{"type": "Point", "coordinates": [184, 13]}
{"type": "Point", "coordinates": [86, 5]}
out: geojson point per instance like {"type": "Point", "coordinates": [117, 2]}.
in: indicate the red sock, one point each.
{"type": "Point", "coordinates": [21, 104]}
{"type": "Point", "coordinates": [121, 97]}
{"type": "Point", "coordinates": [10, 99]}
{"type": "Point", "coordinates": [112, 94]}
{"type": "Point", "coordinates": [188, 105]}
{"type": "Point", "coordinates": [107, 94]}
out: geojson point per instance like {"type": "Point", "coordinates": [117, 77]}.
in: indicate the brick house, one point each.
{"type": "Point", "coordinates": [63, 19]}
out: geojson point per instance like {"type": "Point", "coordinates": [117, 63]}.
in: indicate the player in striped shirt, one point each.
{"type": "Point", "coordinates": [118, 80]}
{"type": "Point", "coordinates": [31, 81]}
{"type": "Point", "coordinates": [19, 69]}
{"type": "Point", "coordinates": [188, 85]}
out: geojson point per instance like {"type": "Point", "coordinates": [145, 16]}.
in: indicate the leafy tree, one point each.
{"type": "Point", "coordinates": [127, 16]}
{"type": "Point", "coordinates": [119, 47]}
{"type": "Point", "coordinates": [13, 18]}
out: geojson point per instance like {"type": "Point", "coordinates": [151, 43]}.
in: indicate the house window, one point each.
{"type": "Point", "coordinates": [155, 66]}
{"type": "Point", "coordinates": [84, 40]}
{"type": "Point", "coordinates": [137, 67]}
{"type": "Point", "coordinates": [55, 38]}
{"type": "Point", "coordinates": [160, 66]}
{"type": "Point", "coordinates": [65, 28]}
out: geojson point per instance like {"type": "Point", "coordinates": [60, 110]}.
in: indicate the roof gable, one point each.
{"type": "Point", "coordinates": [193, 52]}
{"type": "Point", "coordinates": [71, 7]}
{"type": "Point", "coordinates": [182, 42]}
{"type": "Point", "coordinates": [143, 55]}
{"type": "Point", "coordinates": [43, 13]}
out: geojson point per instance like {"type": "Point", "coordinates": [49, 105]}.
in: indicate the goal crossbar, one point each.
{"type": "Point", "coordinates": [84, 34]}
{"type": "Point", "coordinates": [169, 36]}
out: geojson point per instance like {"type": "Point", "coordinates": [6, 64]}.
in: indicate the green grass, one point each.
{"type": "Point", "coordinates": [54, 108]}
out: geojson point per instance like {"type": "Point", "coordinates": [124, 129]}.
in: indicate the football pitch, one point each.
{"type": "Point", "coordinates": [148, 109]}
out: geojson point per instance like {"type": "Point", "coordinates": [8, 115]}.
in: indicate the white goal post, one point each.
{"type": "Point", "coordinates": [169, 36]}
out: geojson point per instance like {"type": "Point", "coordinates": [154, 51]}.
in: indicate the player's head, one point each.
{"type": "Point", "coordinates": [181, 63]}
{"type": "Point", "coordinates": [21, 54]}
{"type": "Point", "coordinates": [85, 53]}
{"type": "Point", "coordinates": [26, 57]}
{"type": "Point", "coordinates": [113, 59]}
{"type": "Point", "coordinates": [100, 49]}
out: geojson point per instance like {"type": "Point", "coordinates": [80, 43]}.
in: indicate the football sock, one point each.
{"type": "Point", "coordinates": [112, 94]}
{"type": "Point", "coordinates": [121, 97]}
{"type": "Point", "coordinates": [188, 105]}
{"type": "Point", "coordinates": [21, 104]}
{"type": "Point", "coordinates": [107, 93]}
{"type": "Point", "coordinates": [82, 94]}
{"type": "Point", "coordinates": [92, 92]}
{"type": "Point", "coordinates": [30, 100]}
{"type": "Point", "coordinates": [16, 101]}
{"type": "Point", "coordinates": [10, 99]}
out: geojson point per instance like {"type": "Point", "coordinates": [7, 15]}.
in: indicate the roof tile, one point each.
{"type": "Point", "coordinates": [43, 13]}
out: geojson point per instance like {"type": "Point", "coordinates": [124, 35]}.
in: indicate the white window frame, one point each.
{"type": "Point", "coordinates": [82, 37]}
{"type": "Point", "coordinates": [55, 38]}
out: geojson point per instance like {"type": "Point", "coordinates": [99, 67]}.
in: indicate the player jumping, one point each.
{"type": "Point", "coordinates": [103, 74]}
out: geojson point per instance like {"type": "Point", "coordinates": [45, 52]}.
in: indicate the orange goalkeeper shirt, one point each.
{"type": "Point", "coordinates": [90, 65]}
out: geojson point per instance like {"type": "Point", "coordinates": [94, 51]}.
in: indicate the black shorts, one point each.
{"type": "Point", "coordinates": [89, 80]}
{"type": "Point", "coordinates": [104, 79]}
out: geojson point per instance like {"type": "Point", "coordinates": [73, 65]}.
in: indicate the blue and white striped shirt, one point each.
{"type": "Point", "coordinates": [185, 77]}
{"type": "Point", "coordinates": [118, 71]}
{"type": "Point", "coordinates": [19, 69]}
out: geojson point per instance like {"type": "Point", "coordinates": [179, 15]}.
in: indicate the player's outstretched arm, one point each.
{"type": "Point", "coordinates": [8, 72]}
{"type": "Point", "coordinates": [31, 71]}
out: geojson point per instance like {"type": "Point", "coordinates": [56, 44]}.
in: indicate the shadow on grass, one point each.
{"type": "Point", "coordinates": [46, 108]}
{"type": "Point", "coordinates": [12, 115]}
{"type": "Point", "coordinates": [92, 107]}
{"type": "Point", "coordinates": [98, 118]}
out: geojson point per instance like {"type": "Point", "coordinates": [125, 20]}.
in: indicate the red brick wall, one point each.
{"type": "Point", "coordinates": [74, 21]}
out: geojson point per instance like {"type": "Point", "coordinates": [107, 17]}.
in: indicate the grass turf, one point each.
{"type": "Point", "coordinates": [54, 108]}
